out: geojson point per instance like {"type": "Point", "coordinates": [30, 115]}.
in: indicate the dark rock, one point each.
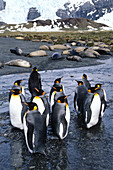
{"type": "Point", "coordinates": [1, 64]}
{"type": "Point", "coordinates": [42, 22]}
{"type": "Point", "coordinates": [80, 23]}
{"type": "Point", "coordinates": [88, 10]}
{"type": "Point", "coordinates": [33, 14]}
{"type": "Point", "coordinates": [2, 5]}
{"type": "Point", "coordinates": [2, 24]}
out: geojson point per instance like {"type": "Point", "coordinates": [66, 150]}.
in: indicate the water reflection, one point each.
{"type": "Point", "coordinates": [17, 154]}
{"type": "Point", "coordinates": [56, 157]}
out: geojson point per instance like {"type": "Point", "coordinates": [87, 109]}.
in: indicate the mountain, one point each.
{"type": "Point", "coordinates": [15, 12]}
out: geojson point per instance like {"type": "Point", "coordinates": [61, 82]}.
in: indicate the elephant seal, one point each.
{"type": "Point", "coordinates": [16, 51]}
{"type": "Point", "coordinates": [19, 63]}
{"type": "Point", "coordinates": [57, 56]}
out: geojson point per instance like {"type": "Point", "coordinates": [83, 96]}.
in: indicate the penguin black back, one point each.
{"type": "Point", "coordinates": [60, 117]}
{"type": "Point", "coordinates": [86, 82]}
{"type": "Point", "coordinates": [79, 97]}
{"type": "Point", "coordinates": [34, 80]}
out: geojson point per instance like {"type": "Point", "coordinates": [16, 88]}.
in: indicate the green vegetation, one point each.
{"type": "Point", "coordinates": [65, 36]}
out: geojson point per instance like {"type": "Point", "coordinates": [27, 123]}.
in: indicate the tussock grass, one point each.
{"type": "Point", "coordinates": [64, 37]}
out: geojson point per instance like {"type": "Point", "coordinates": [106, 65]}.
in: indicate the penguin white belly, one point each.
{"type": "Point", "coordinates": [95, 109]}
{"type": "Point", "coordinates": [47, 120]}
{"type": "Point", "coordinates": [40, 104]}
{"type": "Point", "coordinates": [67, 116]}
{"type": "Point", "coordinates": [23, 92]}
{"type": "Point", "coordinates": [102, 110]}
{"type": "Point", "coordinates": [52, 98]}
{"type": "Point", "coordinates": [61, 131]}
{"type": "Point", "coordinates": [25, 132]}
{"type": "Point", "coordinates": [15, 109]}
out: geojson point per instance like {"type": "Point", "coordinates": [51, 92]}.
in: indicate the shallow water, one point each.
{"type": "Point", "coordinates": [81, 149]}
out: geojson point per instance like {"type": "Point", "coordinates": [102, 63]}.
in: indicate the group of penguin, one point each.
{"type": "Point", "coordinates": [33, 117]}
{"type": "Point", "coordinates": [90, 102]}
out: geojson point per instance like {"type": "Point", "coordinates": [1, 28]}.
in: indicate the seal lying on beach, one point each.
{"type": "Point", "coordinates": [16, 51]}
{"type": "Point", "coordinates": [19, 63]}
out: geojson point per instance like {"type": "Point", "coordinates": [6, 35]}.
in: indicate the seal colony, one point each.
{"type": "Point", "coordinates": [42, 111]}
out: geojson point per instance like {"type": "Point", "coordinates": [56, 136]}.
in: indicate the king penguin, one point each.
{"type": "Point", "coordinates": [79, 97]}
{"type": "Point", "coordinates": [56, 90]}
{"type": "Point", "coordinates": [60, 117]}
{"type": "Point", "coordinates": [17, 108]}
{"type": "Point", "coordinates": [17, 85]}
{"type": "Point", "coordinates": [91, 109]}
{"type": "Point", "coordinates": [42, 102]}
{"type": "Point", "coordinates": [35, 129]}
{"type": "Point", "coordinates": [85, 81]}
{"type": "Point", "coordinates": [34, 80]}
{"type": "Point", "coordinates": [102, 94]}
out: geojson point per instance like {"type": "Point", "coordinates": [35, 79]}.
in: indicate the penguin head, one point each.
{"type": "Point", "coordinates": [17, 82]}
{"type": "Point", "coordinates": [62, 99]}
{"type": "Point", "coordinates": [39, 92]}
{"type": "Point", "coordinates": [84, 76]}
{"type": "Point", "coordinates": [58, 89]}
{"type": "Point", "coordinates": [31, 105]}
{"type": "Point", "coordinates": [34, 69]}
{"type": "Point", "coordinates": [79, 82]}
{"type": "Point", "coordinates": [91, 90]}
{"type": "Point", "coordinates": [16, 91]}
{"type": "Point", "coordinates": [58, 80]}
{"type": "Point", "coordinates": [98, 85]}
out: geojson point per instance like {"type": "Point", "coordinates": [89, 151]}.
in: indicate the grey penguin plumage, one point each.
{"type": "Point", "coordinates": [85, 81]}
{"type": "Point", "coordinates": [60, 117]}
{"type": "Point", "coordinates": [34, 80]}
{"type": "Point", "coordinates": [91, 109]}
{"type": "Point", "coordinates": [17, 108]}
{"type": "Point", "coordinates": [35, 129]}
{"type": "Point", "coordinates": [79, 97]}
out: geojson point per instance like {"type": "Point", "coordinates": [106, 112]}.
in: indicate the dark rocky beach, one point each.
{"type": "Point", "coordinates": [82, 148]}
{"type": "Point", "coordinates": [42, 63]}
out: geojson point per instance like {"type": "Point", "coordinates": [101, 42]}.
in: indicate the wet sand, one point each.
{"type": "Point", "coordinates": [82, 148]}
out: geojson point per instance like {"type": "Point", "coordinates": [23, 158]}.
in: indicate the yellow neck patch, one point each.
{"type": "Point", "coordinates": [58, 101]}
{"type": "Point", "coordinates": [35, 108]}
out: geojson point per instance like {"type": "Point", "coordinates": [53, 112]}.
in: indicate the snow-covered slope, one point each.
{"type": "Point", "coordinates": [107, 19]}
{"type": "Point", "coordinates": [16, 11]}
